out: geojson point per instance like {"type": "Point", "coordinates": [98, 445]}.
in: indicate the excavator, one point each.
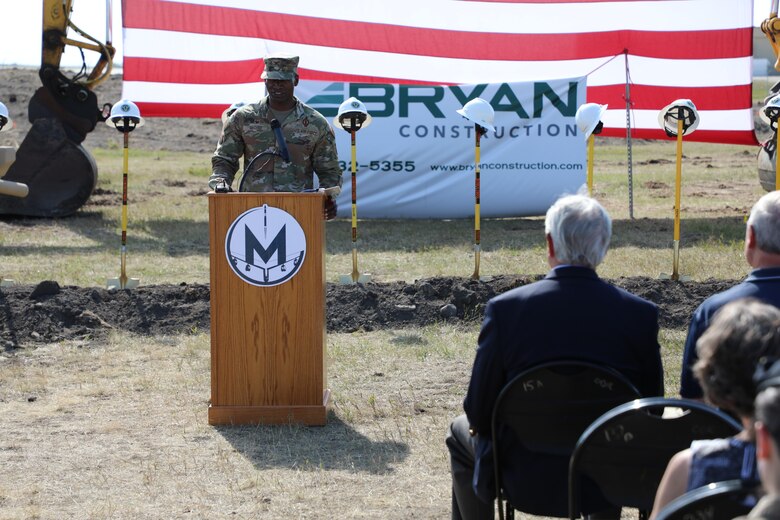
{"type": "Point", "coordinates": [767, 154]}
{"type": "Point", "coordinates": [51, 161]}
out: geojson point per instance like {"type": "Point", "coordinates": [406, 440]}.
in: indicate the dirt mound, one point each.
{"type": "Point", "coordinates": [48, 313]}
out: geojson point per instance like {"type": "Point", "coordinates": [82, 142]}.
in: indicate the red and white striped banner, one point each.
{"type": "Point", "coordinates": [193, 58]}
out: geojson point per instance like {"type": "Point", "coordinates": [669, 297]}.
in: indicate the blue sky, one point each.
{"type": "Point", "coordinates": [21, 39]}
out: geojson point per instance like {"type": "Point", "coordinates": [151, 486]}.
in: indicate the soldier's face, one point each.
{"type": "Point", "coordinates": [280, 91]}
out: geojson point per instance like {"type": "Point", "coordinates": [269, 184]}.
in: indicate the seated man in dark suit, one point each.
{"type": "Point", "coordinates": [570, 314]}
{"type": "Point", "coordinates": [762, 252]}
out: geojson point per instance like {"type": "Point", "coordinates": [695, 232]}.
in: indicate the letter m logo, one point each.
{"type": "Point", "coordinates": [278, 245]}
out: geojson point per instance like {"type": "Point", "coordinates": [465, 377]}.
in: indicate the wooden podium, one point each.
{"type": "Point", "coordinates": [267, 309]}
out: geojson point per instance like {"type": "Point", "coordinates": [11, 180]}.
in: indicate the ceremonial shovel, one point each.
{"type": "Point", "coordinates": [681, 110]}
{"type": "Point", "coordinates": [481, 113]}
{"type": "Point", "coordinates": [478, 131]}
{"type": "Point", "coordinates": [124, 123]}
{"type": "Point", "coordinates": [352, 117]}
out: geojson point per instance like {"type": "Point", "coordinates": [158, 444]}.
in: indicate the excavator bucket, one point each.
{"type": "Point", "coordinates": [60, 173]}
{"type": "Point", "coordinates": [767, 154]}
{"type": "Point", "coordinates": [767, 159]}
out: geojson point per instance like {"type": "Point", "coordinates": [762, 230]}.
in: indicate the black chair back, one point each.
{"type": "Point", "coordinates": [549, 406]}
{"type": "Point", "coordinates": [625, 452]}
{"type": "Point", "coordinates": [717, 501]}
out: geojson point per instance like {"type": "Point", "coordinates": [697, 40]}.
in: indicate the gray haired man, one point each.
{"type": "Point", "coordinates": [570, 314]}
{"type": "Point", "coordinates": [762, 252]}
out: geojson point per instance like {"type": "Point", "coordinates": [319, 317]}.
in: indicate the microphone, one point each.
{"type": "Point", "coordinates": [277, 128]}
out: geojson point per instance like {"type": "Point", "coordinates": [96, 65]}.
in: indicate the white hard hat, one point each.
{"type": "Point", "coordinates": [668, 117]}
{"type": "Point", "coordinates": [771, 111]}
{"type": "Point", "coordinates": [229, 110]}
{"type": "Point", "coordinates": [588, 117]}
{"type": "Point", "coordinates": [124, 108]}
{"type": "Point", "coordinates": [480, 112]}
{"type": "Point", "coordinates": [350, 107]}
{"type": "Point", "coordinates": [5, 119]}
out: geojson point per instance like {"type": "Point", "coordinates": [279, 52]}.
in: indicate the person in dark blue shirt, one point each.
{"type": "Point", "coordinates": [762, 252]}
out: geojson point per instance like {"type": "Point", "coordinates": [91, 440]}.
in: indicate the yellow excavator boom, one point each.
{"type": "Point", "coordinates": [56, 22]}
{"type": "Point", "coordinates": [771, 28]}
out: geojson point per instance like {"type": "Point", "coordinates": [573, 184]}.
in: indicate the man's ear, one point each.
{"type": "Point", "coordinates": [550, 246]}
{"type": "Point", "coordinates": [295, 81]}
{"type": "Point", "coordinates": [750, 238]}
{"type": "Point", "coordinates": [763, 442]}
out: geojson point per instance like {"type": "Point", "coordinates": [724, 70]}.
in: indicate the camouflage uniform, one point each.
{"type": "Point", "coordinates": [309, 137]}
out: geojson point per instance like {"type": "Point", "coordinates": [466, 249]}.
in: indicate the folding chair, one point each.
{"type": "Point", "coordinates": [625, 451]}
{"type": "Point", "coordinates": [546, 408]}
{"type": "Point", "coordinates": [717, 501]}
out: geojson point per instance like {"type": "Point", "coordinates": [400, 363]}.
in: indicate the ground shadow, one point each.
{"type": "Point", "coordinates": [524, 233]}
{"type": "Point", "coordinates": [335, 446]}
{"type": "Point", "coordinates": [658, 232]}
{"type": "Point", "coordinates": [168, 236]}
{"type": "Point", "coordinates": [184, 237]}
{"type": "Point", "coordinates": [378, 235]}
{"type": "Point", "coordinates": [408, 339]}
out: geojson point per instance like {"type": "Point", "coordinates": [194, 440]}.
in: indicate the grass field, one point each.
{"type": "Point", "coordinates": [117, 429]}
{"type": "Point", "coordinates": [168, 224]}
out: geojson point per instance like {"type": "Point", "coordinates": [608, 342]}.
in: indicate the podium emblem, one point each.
{"type": "Point", "coordinates": [265, 246]}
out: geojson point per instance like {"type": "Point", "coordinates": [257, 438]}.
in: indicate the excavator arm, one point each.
{"type": "Point", "coordinates": [70, 98]}
{"type": "Point", "coordinates": [59, 172]}
{"type": "Point", "coordinates": [56, 21]}
{"type": "Point", "coordinates": [771, 28]}
{"type": "Point", "coordinates": [767, 154]}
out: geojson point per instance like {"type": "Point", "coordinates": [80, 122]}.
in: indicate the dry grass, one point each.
{"type": "Point", "coordinates": [119, 430]}
{"type": "Point", "coordinates": [168, 224]}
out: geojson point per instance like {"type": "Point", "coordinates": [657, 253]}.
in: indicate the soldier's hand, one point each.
{"type": "Point", "coordinates": [221, 186]}
{"type": "Point", "coordinates": [331, 209]}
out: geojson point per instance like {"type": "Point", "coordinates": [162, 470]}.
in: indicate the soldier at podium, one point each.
{"type": "Point", "coordinates": [283, 141]}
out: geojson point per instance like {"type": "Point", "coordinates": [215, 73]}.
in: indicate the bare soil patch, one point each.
{"type": "Point", "coordinates": [48, 313]}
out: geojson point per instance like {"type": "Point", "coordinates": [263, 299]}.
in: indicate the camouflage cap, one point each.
{"type": "Point", "coordinates": [280, 66]}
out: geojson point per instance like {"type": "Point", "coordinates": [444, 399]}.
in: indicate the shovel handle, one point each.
{"type": "Point", "coordinates": [355, 273]}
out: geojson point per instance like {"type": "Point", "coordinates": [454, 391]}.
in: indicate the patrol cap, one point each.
{"type": "Point", "coordinates": [280, 66]}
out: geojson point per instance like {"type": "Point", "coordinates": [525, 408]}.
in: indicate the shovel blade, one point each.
{"type": "Point", "coordinates": [346, 279]}
{"type": "Point", "coordinates": [116, 283]}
